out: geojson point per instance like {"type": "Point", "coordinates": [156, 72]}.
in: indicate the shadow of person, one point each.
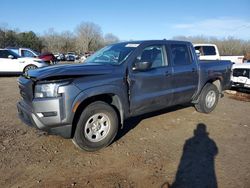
{"type": "Point", "coordinates": [196, 168]}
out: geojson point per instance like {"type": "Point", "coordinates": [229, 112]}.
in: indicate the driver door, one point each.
{"type": "Point", "coordinates": [151, 89]}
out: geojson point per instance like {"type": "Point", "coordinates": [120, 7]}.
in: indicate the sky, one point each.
{"type": "Point", "coordinates": [132, 19]}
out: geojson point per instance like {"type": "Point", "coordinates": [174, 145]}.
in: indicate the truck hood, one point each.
{"type": "Point", "coordinates": [68, 71]}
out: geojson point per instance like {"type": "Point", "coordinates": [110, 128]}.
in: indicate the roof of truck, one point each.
{"type": "Point", "coordinates": [154, 41]}
{"type": "Point", "coordinates": [203, 44]}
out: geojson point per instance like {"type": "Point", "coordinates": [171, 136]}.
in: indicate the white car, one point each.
{"type": "Point", "coordinates": [211, 52]}
{"type": "Point", "coordinates": [241, 75]}
{"type": "Point", "coordinates": [12, 63]}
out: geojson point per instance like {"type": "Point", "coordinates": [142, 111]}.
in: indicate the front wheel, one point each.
{"type": "Point", "coordinates": [97, 127]}
{"type": "Point", "coordinates": [29, 67]}
{"type": "Point", "coordinates": [208, 99]}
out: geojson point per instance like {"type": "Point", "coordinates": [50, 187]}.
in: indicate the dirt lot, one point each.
{"type": "Point", "coordinates": [177, 146]}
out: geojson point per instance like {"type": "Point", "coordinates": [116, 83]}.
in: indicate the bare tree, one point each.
{"type": "Point", "coordinates": [51, 40]}
{"type": "Point", "coordinates": [67, 42]}
{"type": "Point", "coordinates": [110, 38]}
{"type": "Point", "coordinates": [88, 37]}
{"type": "Point", "coordinates": [226, 46]}
{"type": "Point", "coordinates": [59, 42]}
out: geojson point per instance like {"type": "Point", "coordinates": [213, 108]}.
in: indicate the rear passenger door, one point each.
{"type": "Point", "coordinates": [185, 73]}
{"type": "Point", "coordinates": [151, 89]}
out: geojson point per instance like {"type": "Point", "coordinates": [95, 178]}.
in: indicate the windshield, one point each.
{"type": "Point", "coordinates": [113, 54]}
{"type": "Point", "coordinates": [36, 53]}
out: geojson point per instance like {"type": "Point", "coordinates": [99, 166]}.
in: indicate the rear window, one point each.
{"type": "Point", "coordinates": [206, 50]}
{"type": "Point", "coordinates": [241, 72]}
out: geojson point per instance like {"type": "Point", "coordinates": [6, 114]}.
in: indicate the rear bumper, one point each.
{"type": "Point", "coordinates": [46, 121]}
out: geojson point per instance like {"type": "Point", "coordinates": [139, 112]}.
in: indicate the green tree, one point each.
{"type": "Point", "coordinates": [29, 40]}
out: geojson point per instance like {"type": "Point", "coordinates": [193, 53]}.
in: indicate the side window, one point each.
{"type": "Point", "coordinates": [15, 50]}
{"type": "Point", "coordinates": [4, 54]}
{"type": "Point", "coordinates": [206, 50]}
{"type": "Point", "coordinates": [155, 55]}
{"type": "Point", "coordinates": [1, 54]}
{"type": "Point", "coordinates": [26, 53]}
{"type": "Point", "coordinates": [180, 54]}
{"type": "Point", "coordinates": [200, 49]}
{"type": "Point", "coordinates": [209, 50]}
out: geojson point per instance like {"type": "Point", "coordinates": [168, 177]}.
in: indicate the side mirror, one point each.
{"type": "Point", "coordinates": [198, 53]}
{"type": "Point", "coordinates": [142, 65]}
{"type": "Point", "coordinates": [10, 56]}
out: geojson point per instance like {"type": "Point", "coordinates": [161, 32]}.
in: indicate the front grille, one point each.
{"type": "Point", "coordinates": [26, 88]}
{"type": "Point", "coordinates": [241, 72]}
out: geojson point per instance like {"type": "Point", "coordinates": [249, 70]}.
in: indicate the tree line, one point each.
{"type": "Point", "coordinates": [226, 46]}
{"type": "Point", "coordinates": [88, 36]}
{"type": "Point", "coordinates": [11, 38]}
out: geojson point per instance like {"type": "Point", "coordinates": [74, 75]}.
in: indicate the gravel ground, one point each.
{"type": "Point", "coordinates": [177, 146]}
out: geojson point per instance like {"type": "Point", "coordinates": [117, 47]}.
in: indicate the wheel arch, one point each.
{"type": "Point", "coordinates": [109, 98]}
{"type": "Point", "coordinates": [29, 65]}
{"type": "Point", "coordinates": [216, 81]}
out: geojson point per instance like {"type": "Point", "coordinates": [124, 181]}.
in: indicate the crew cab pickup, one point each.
{"type": "Point", "coordinates": [89, 102]}
{"type": "Point", "coordinates": [211, 52]}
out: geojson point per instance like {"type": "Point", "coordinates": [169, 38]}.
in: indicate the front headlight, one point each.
{"type": "Point", "coordinates": [52, 89]}
{"type": "Point", "coordinates": [46, 90]}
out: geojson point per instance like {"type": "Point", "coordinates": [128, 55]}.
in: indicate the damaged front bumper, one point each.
{"type": "Point", "coordinates": [45, 115]}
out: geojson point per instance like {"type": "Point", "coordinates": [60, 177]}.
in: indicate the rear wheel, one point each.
{"type": "Point", "coordinates": [29, 67]}
{"type": "Point", "coordinates": [208, 99]}
{"type": "Point", "coordinates": [97, 127]}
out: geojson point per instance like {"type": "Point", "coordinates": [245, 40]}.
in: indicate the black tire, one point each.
{"type": "Point", "coordinates": [97, 127]}
{"type": "Point", "coordinates": [29, 67]}
{"type": "Point", "coordinates": [208, 99]}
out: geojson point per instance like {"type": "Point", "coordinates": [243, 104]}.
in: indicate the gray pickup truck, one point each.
{"type": "Point", "coordinates": [89, 102]}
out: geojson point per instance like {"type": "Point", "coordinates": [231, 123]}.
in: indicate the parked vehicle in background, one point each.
{"type": "Point", "coordinates": [241, 75]}
{"type": "Point", "coordinates": [88, 102]}
{"type": "Point", "coordinates": [12, 63]}
{"type": "Point", "coordinates": [211, 52]}
{"type": "Point", "coordinates": [70, 56]}
{"type": "Point", "coordinates": [24, 52]}
{"type": "Point", "coordinates": [247, 57]}
{"type": "Point", "coordinates": [82, 59]}
{"type": "Point", "coordinates": [60, 57]}
{"type": "Point", "coordinates": [48, 57]}
{"type": "Point", "coordinates": [27, 52]}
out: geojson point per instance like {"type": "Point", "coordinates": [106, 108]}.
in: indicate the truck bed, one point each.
{"type": "Point", "coordinates": [215, 68]}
